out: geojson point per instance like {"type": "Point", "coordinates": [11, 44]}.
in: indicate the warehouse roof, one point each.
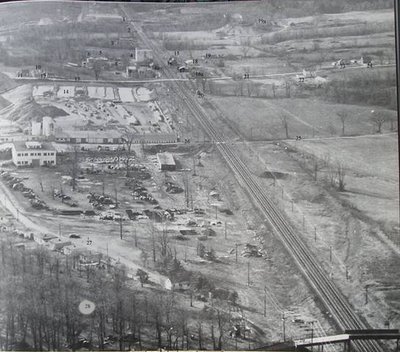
{"type": "Point", "coordinates": [165, 159]}
{"type": "Point", "coordinates": [88, 134]}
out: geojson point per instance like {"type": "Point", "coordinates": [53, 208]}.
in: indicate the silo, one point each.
{"type": "Point", "coordinates": [48, 126]}
{"type": "Point", "coordinates": [36, 128]}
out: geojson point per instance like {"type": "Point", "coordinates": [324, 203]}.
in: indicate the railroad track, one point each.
{"type": "Point", "coordinates": [330, 295]}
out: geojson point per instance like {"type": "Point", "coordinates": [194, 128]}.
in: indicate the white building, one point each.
{"type": "Point", "coordinates": [33, 154]}
{"type": "Point", "coordinates": [44, 128]}
{"type": "Point", "coordinates": [48, 126]}
{"type": "Point", "coordinates": [143, 55]}
{"type": "Point", "coordinates": [166, 162]}
{"type": "Point", "coordinates": [36, 128]}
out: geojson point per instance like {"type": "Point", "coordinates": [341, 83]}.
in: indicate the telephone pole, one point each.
{"type": "Point", "coordinates": [265, 301]}
{"type": "Point", "coordinates": [136, 242]}
{"type": "Point", "coordinates": [225, 231]}
{"type": "Point", "coordinates": [120, 227]}
{"type": "Point", "coordinates": [236, 252]}
{"type": "Point", "coordinates": [248, 273]}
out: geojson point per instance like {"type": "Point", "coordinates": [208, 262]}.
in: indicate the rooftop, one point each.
{"type": "Point", "coordinates": [165, 158]}
{"type": "Point", "coordinates": [23, 146]}
{"type": "Point", "coordinates": [88, 134]}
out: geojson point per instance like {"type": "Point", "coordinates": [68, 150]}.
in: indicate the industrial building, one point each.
{"type": "Point", "coordinates": [112, 137]}
{"type": "Point", "coordinates": [166, 162]}
{"type": "Point", "coordinates": [33, 153]}
{"type": "Point", "coordinates": [43, 128]}
{"type": "Point", "coordinates": [95, 137]}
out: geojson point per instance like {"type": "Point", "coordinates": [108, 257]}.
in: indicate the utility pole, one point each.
{"type": "Point", "coordinates": [265, 301]}
{"type": "Point", "coordinates": [315, 234]}
{"type": "Point", "coordinates": [312, 334]}
{"type": "Point", "coordinates": [248, 273]}
{"type": "Point", "coordinates": [284, 326]}
{"type": "Point", "coordinates": [236, 252]}
{"type": "Point", "coordinates": [216, 212]}
{"type": "Point", "coordinates": [116, 195]}
{"type": "Point", "coordinates": [120, 227]}
{"type": "Point", "coordinates": [366, 294]}
{"type": "Point", "coordinates": [330, 253]}
{"type": "Point", "coordinates": [225, 231]}
{"type": "Point", "coordinates": [136, 242]}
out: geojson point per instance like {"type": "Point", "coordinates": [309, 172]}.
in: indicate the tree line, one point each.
{"type": "Point", "coordinates": [40, 292]}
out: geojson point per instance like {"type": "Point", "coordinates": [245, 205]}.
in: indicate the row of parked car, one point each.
{"type": "Point", "coordinates": [98, 201]}
{"type": "Point", "coordinates": [139, 192]}
{"type": "Point", "coordinates": [16, 184]}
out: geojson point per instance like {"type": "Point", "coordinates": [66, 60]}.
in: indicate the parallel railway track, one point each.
{"type": "Point", "coordinates": [327, 291]}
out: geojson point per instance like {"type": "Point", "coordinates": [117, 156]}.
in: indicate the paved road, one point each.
{"type": "Point", "coordinates": [177, 79]}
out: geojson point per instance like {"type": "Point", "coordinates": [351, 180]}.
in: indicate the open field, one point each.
{"type": "Point", "coordinates": [305, 117]}
{"type": "Point", "coordinates": [372, 168]}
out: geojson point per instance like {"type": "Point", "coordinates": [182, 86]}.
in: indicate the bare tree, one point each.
{"type": "Point", "coordinates": [318, 164]}
{"type": "Point", "coordinates": [287, 88]}
{"type": "Point", "coordinates": [250, 88]}
{"type": "Point", "coordinates": [392, 119]}
{"type": "Point", "coordinates": [127, 140]}
{"type": "Point", "coordinates": [74, 170]}
{"type": "Point", "coordinates": [341, 173]}
{"type": "Point", "coordinates": [378, 119]}
{"type": "Point", "coordinates": [97, 68]}
{"type": "Point", "coordinates": [343, 115]}
{"type": "Point", "coordinates": [245, 46]}
{"type": "Point", "coordinates": [285, 125]}
{"type": "Point", "coordinates": [273, 87]}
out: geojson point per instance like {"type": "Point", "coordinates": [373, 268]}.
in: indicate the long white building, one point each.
{"type": "Point", "coordinates": [33, 154]}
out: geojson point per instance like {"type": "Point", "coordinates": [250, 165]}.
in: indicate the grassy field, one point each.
{"type": "Point", "coordinates": [261, 119]}
{"type": "Point", "coordinates": [372, 166]}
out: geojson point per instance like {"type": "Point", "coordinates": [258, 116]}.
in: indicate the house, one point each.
{"type": "Point", "coordinates": [57, 244]}
{"type": "Point", "coordinates": [90, 61]}
{"type": "Point", "coordinates": [131, 71]}
{"type": "Point", "coordinates": [33, 153]}
{"type": "Point", "coordinates": [24, 73]}
{"type": "Point", "coordinates": [143, 56]}
{"type": "Point", "coordinates": [44, 239]}
{"type": "Point", "coordinates": [166, 162]}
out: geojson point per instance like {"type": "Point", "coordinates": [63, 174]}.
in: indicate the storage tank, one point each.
{"type": "Point", "coordinates": [36, 128]}
{"type": "Point", "coordinates": [48, 126]}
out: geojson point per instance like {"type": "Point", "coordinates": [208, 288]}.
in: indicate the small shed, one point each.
{"type": "Point", "coordinates": [166, 162]}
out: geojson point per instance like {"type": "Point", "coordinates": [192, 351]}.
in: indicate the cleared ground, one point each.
{"type": "Point", "coordinates": [261, 119]}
